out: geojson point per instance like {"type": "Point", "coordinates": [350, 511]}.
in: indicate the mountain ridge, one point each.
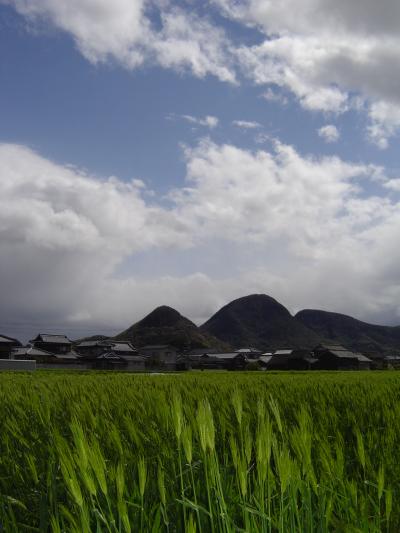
{"type": "Point", "coordinates": [261, 321]}
{"type": "Point", "coordinates": [165, 325]}
{"type": "Point", "coordinates": [370, 339]}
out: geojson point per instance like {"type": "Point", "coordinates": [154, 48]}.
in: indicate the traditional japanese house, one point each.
{"type": "Point", "coordinates": [337, 357]}
{"type": "Point", "coordinates": [250, 353]}
{"type": "Point", "coordinates": [93, 348]}
{"type": "Point", "coordinates": [218, 361]}
{"type": "Point", "coordinates": [291, 360]}
{"type": "Point", "coordinates": [52, 343]}
{"type": "Point", "coordinates": [7, 344]}
{"type": "Point", "coordinates": [161, 356]}
{"type": "Point", "coordinates": [44, 357]}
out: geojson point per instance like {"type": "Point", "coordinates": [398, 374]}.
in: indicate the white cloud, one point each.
{"type": "Point", "coordinates": [188, 41]}
{"type": "Point", "coordinates": [122, 30]}
{"type": "Point", "coordinates": [101, 29]}
{"type": "Point", "coordinates": [304, 229]}
{"type": "Point", "coordinates": [240, 195]}
{"type": "Point", "coordinates": [326, 53]}
{"type": "Point", "coordinates": [330, 55]}
{"type": "Point", "coordinates": [274, 96]}
{"type": "Point", "coordinates": [208, 121]}
{"type": "Point", "coordinates": [384, 123]}
{"type": "Point", "coordinates": [246, 124]}
{"type": "Point", "coordinates": [329, 133]}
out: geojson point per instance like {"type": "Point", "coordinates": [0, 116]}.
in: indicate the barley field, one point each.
{"type": "Point", "coordinates": [200, 452]}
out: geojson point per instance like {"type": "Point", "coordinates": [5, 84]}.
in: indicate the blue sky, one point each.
{"type": "Point", "coordinates": [156, 153]}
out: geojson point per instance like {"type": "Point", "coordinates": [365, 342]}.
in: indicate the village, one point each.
{"type": "Point", "coordinates": [57, 351]}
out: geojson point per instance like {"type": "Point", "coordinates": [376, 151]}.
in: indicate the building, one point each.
{"type": "Point", "coordinates": [108, 361]}
{"type": "Point", "coordinates": [108, 354]}
{"type": "Point", "coordinates": [391, 361]}
{"type": "Point", "coordinates": [94, 348]}
{"type": "Point", "coordinates": [7, 344]}
{"type": "Point", "coordinates": [264, 360]}
{"type": "Point", "coordinates": [134, 363]}
{"type": "Point", "coordinates": [161, 356]}
{"type": "Point", "coordinates": [250, 353]}
{"type": "Point", "coordinates": [124, 348]}
{"type": "Point", "coordinates": [44, 357]}
{"type": "Point", "coordinates": [52, 343]}
{"type": "Point", "coordinates": [218, 361]}
{"type": "Point", "coordinates": [291, 360]}
{"type": "Point", "coordinates": [337, 357]}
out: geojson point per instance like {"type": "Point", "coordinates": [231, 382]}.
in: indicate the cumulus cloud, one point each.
{"type": "Point", "coordinates": [326, 53]}
{"type": "Point", "coordinates": [314, 234]}
{"type": "Point", "coordinates": [123, 30]}
{"type": "Point", "coordinates": [329, 133]}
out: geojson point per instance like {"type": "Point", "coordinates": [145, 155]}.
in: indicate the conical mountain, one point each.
{"type": "Point", "coordinates": [369, 339]}
{"type": "Point", "coordinates": [165, 325]}
{"type": "Point", "coordinates": [259, 321]}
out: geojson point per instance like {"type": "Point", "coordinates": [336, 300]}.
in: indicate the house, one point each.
{"type": "Point", "coordinates": [52, 343]}
{"type": "Point", "coordinates": [124, 348]}
{"type": "Point", "coordinates": [43, 356]}
{"type": "Point", "coordinates": [6, 346]}
{"type": "Point", "coordinates": [264, 360]}
{"type": "Point", "coordinates": [391, 361]}
{"type": "Point", "coordinates": [108, 361]}
{"type": "Point", "coordinates": [29, 353]}
{"type": "Point", "coordinates": [250, 353]}
{"type": "Point", "coordinates": [160, 356]}
{"type": "Point", "coordinates": [218, 361]}
{"type": "Point", "coordinates": [291, 360]}
{"type": "Point", "coordinates": [337, 357]}
{"type": "Point", "coordinates": [92, 349]}
{"type": "Point", "coordinates": [108, 354]}
{"type": "Point", "coordinates": [134, 363]}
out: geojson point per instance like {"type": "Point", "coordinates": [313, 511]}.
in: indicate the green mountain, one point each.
{"type": "Point", "coordinates": [368, 339]}
{"type": "Point", "coordinates": [259, 321]}
{"type": "Point", "coordinates": [165, 325]}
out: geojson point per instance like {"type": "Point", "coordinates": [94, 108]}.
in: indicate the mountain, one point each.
{"type": "Point", "coordinates": [260, 321]}
{"type": "Point", "coordinates": [368, 339]}
{"type": "Point", "coordinates": [165, 325]}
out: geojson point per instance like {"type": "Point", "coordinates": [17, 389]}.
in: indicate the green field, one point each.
{"type": "Point", "coordinates": [311, 452]}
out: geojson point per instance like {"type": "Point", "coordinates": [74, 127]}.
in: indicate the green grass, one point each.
{"type": "Point", "coordinates": [218, 452]}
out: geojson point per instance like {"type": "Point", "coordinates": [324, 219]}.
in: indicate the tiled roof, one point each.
{"type": "Point", "coordinates": [55, 339]}
{"type": "Point", "coordinates": [122, 347]}
{"type": "Point", "coordinates": [31, 351]}
{"type": "Point", "coordinates": [331, 347]}
{"type": "Point", "coordinates": [68, 355]}
{"type": "Point", "coordinates": [283, 352]}
{"type": "Point", "coordinates": [88, 344]}
{"type": "Point", "coordinates": [5, 340]}
{"type": "Point", "coordinates": [265, 358]}
{"type": "Point", "coordinates": [110, 356]}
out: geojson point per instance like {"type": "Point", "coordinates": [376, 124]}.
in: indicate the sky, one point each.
{"type": "Point", "coordinates": [188, 153]}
